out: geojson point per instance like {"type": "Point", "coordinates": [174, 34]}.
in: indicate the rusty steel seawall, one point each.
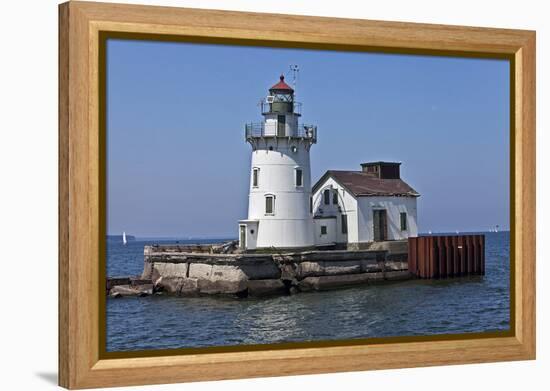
{"type": "Point", "coordinates": [447, 256]}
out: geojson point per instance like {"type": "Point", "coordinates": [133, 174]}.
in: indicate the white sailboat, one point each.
{"type": "Point", "coordinates": [124, 241]}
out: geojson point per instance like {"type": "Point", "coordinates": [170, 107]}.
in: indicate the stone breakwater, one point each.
{"type": "Point", "coordinates": [198, 270]}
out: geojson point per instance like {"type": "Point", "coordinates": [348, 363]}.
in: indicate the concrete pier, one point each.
{"type": "Point", "coordinates": [264, 274]}
{"type": "Point", "coordinates": [176, 270]}
{"type": "Point", "coordinates": [222, 269]}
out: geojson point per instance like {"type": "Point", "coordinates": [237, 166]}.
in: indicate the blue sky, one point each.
{"type": "Point", "coordinates": [178, 165]}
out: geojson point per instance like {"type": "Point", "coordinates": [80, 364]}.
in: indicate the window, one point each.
{"type": "Point", "coordinates": [335, 197]}
{"type": "Point", "coordinates": [327, 196]}
{"type": "Point", "coordinates": [323, 229]}
{"type": "Point", "coordinates": [269, 205]}
{"type": "Point", "coordinates": [310, 204]}
{"type": "Point", "coordinates": [281, 127]}
{"type": "Point", "coordinates": [403, 217]}
{"type": "Point", "coordinates": [298, 177]}
{"type": "Point", "coordinates": [255, 177]}
{"type": "Point", "coordinates": [344, 224]}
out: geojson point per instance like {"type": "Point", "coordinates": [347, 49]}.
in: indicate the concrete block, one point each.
{"type": "Point", "coordinates": [114, 281]}
{"type": "Point", "coordinates": [393, 247]}
{"type": "Point", "coordinates": [171, 270]}
{"type": "Point", "coordinates": [188, 286]}
{"type": "Point", "coordinates": [370, 266]}
{"type": "Point", "coordinates": [221, 286]}
{"type": "Point", "coordinates": [261, 270]}
{"type": "Point", "coordinates": [308, 284]}
{"type": "Point", "coordinates": [147, 270]}
{"type": "Point", "coordinates": [309, 269]}
{"type": "Point", "coordinates": [266, 287]}
{"type": "Point", "coordinates": [145, 289]}
{"type": "Point", "coordinates": [288, 271]}
{"type": "Point", "coordinates": [342, 267]}
{"type": "Point", "coordinates": [337, 281]}
{"type": "Point", "coordinates": [398, 275]}
{"type": "Point", "coordinates": [218, 279]}
{"type": "Point", "coordinates": [127, 290]}
{"type": "Point", "coordinates": [169, 284]}
{"type": "Point", "coordinates": [395, 266]}
{"type": "Point", "coordinates": [179, 285]}
{"type": "Point", "coordinates": [200, 270]}
{"type": "Point", "coordinates": [227, 273]}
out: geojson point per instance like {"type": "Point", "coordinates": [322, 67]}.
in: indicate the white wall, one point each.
{"type": "Point", "coordinates": [330, 236]}
{"type": "Point", "coordinates": [347, 204]}
{"type": "Point", "coordinates": [393, 206]}
{"type": "Point", "coordinates": [251, 233]}
{"type": "Point", "coordinates": [360, 213]}
{"type": "Point", "coordinates": [291, 124]}
{"type": "Point", "coordinates": [291, 224]}
{"type": "Point", "coordinates": [33, 165]}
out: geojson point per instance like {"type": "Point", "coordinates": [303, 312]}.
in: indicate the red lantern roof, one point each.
{"type": "Point", "coordinates": [281, 85]}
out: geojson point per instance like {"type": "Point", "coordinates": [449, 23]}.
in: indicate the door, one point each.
{"type": "Point", "coordinates": [281, 126]}
{"type": "Point", "coordinates": [380, 225]}
{"type": "Point", "coordinates": [242, 237]}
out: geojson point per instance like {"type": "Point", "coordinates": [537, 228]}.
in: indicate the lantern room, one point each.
{"type": "Point", "coordinates": [280, 99]}
{"type": "Point", "coordinates": [281, 114]}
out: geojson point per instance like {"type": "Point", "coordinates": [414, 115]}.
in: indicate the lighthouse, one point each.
{"type": "Point", "coordinates": [280, 214]}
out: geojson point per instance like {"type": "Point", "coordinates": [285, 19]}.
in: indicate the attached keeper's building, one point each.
{"type": "Point", "coordinates": [355, 207]}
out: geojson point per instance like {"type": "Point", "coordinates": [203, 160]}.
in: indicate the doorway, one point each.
{"type": "Point", "coordinates": [242, 237]}
{"type": "Point", "coordinates": [380, 222]}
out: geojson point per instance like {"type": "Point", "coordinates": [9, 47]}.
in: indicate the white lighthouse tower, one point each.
{"type": "Point", "coordinates": [279, 207]}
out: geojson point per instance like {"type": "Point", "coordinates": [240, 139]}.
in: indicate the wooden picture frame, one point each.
{"type": "Point", "coordinates": [82, 363]}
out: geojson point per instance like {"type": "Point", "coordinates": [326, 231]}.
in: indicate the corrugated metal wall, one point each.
{"type": "Point", "coordinates": [447, 256]}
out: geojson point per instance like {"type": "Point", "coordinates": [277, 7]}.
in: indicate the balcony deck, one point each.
{"type": "Point", "coordinates": [259, 130]}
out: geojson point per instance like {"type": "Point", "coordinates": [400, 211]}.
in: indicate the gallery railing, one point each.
{"type": "Point", "coordinates": [259, 130]}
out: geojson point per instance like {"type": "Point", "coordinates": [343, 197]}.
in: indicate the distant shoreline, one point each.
{"type": "Point", "coordinates": [167, 238]}
{"type": "Point", "coordinates": [223, 238]}
{"type": "Point", "coordinates": [129, 238]}
{"type": "Point", "coordinates": [462, 232]}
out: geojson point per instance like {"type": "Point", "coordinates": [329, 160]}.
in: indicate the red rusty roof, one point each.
{"type": "Point", "coordinates": [281, 85]}
{"type": "Point", "coordinates": [362, 184]}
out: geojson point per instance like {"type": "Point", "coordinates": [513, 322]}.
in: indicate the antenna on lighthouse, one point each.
{"type": "Point", "coordinates": [295, 70]}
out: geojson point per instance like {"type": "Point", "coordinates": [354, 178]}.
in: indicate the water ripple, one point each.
{"type": "Point", "coordinates": [416, 307]}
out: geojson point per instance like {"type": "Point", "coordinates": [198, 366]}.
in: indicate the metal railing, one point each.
{"type": "Point", "coordinates": [258, 130]}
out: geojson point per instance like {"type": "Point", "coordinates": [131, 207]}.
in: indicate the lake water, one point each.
{"type": "Point", "coordinates": [407, 308]}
